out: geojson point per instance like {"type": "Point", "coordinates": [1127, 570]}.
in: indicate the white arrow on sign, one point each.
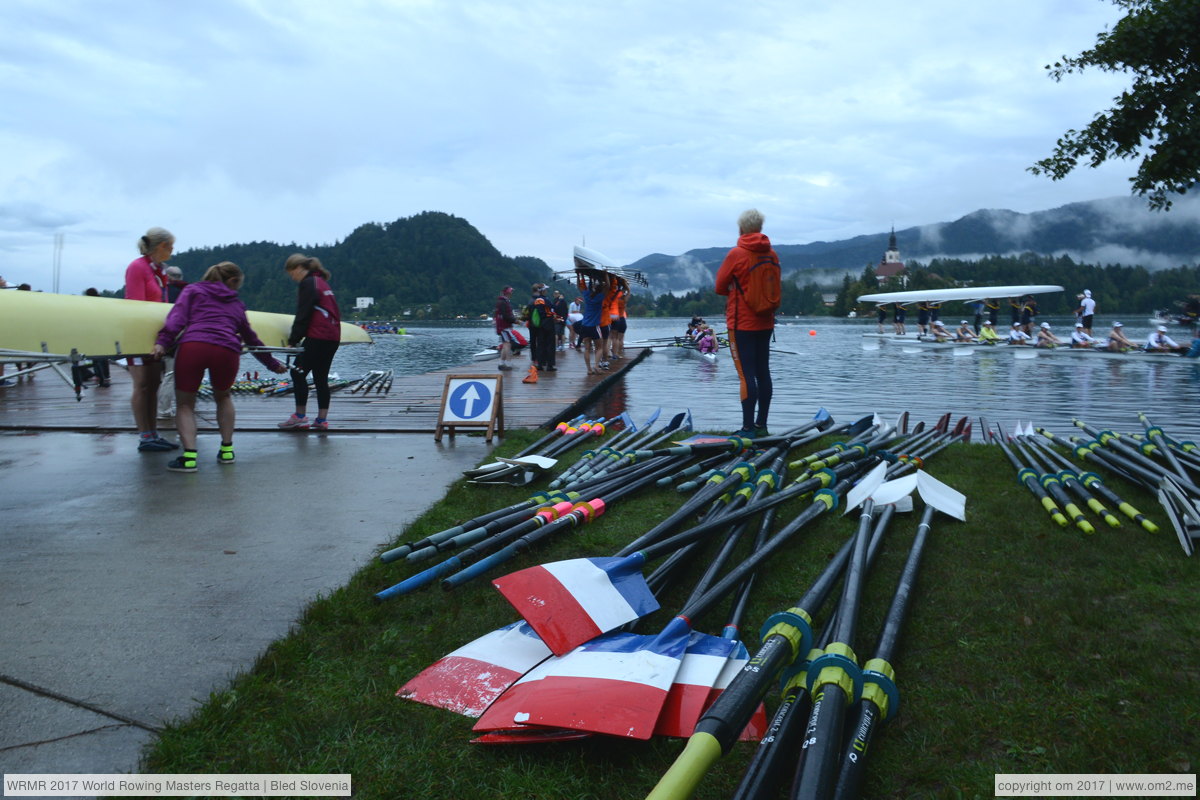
{"type": "Point", "coordinates": [469, 397]}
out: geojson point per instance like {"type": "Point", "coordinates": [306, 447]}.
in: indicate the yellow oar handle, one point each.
{"type": "Point", "coordinates": [680, 781]}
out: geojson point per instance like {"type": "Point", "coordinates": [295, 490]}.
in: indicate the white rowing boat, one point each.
{"type": "Point", "coordinates": [967, 294]}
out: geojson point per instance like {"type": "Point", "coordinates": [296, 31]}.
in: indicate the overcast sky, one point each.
{"type": "Point", "coordinates": [638, 127]}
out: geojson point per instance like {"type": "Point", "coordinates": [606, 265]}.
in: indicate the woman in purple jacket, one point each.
{"type": "Point", "coordinates": [208, 327]}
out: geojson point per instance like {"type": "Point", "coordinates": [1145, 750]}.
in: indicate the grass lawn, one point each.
{"type": "Point", "coordinates": [1029, 648]}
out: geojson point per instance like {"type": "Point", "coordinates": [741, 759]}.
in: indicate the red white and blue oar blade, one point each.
{"type": "Point", "coordinates": [616, 685]}
{"type": "Point", "coordinates": [757, 726]}
{"type": "Point", "coordinates": [572, 602]}
{"type": "Point", "coordinates": [530, 736]}
{"type": "Point", "coordinates": [469, 679]}
{"type": "Point", "coordinates": [691, 691]}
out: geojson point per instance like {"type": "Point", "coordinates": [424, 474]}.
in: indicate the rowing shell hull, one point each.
{"type": "Point", "coordinates": [969, 293]}
{"type": "Point", "coordinates": [103, 326]}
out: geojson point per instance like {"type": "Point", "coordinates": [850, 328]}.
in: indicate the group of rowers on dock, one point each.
{"type": "Point", "coordinates": [1023, 330]}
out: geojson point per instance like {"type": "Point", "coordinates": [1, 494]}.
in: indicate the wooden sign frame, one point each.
{"type": "Point", "coordinates": [494, 421]}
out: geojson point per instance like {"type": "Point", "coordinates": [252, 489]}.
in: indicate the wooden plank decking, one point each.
{"type": "Point", "coordinates": [411, 406]}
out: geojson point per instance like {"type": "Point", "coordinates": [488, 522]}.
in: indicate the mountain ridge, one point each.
{"type": "Point", "coordinates": [1118, 230]}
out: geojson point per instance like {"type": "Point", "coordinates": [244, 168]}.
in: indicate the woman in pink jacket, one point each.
{"type": "Point", "coordinates": [145, 280]}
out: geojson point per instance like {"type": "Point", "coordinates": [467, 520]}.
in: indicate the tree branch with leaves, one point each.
{"type": "Point", "coordinates": [1158, 117]}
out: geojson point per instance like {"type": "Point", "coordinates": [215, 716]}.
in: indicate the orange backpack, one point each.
{"type": "Point", "coordinates": [762, 288]}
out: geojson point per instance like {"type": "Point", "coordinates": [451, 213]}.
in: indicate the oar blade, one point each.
{"type": "Point", "coordinates": [469, 679]}
{"type": "Point", "coordinates": [616, 685]}
{"type": "Point", "coordinates": [571, 602]}
{"type": "Point", "coordinates": [691, 691]}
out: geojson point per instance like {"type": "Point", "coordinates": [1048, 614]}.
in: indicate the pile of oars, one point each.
{"type": "Point", "coordinates": [574, 665]}
{"type": "Point", "coordinates": [1165, 466]}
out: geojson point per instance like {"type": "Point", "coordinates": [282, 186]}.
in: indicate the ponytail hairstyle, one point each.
{"type": "Point", "coordinates": [307, 263]}
{"type": "Point", "coordinates": [153, 238]}
{"type": "Point", "coordinates": [227, 273]}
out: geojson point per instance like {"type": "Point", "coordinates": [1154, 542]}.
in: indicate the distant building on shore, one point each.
{"type": "Point", "coordinates": [890, 271]}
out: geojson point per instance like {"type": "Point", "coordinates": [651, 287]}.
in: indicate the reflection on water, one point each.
{"type": "Point", "coordinates": [833, 370]}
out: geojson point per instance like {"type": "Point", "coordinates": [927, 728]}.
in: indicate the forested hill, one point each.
{"type": "Point", "coordinates": [434, 264]}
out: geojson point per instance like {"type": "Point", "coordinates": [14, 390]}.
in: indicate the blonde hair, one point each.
{"type": "Point", "coordinates": [750, 221]}
{"type": "Point", "coordinates": [225, 272]}
{"type": "Point", "coordinates": [306, 263]}
{"type": "Point", "coordinates": [153, 238]}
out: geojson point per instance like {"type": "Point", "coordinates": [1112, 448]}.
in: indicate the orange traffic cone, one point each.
{"type": "Point", "coordinates": [532, 376]}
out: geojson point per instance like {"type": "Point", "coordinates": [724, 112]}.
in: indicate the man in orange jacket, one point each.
{"type": "Point", "coordinates": [750, 331]}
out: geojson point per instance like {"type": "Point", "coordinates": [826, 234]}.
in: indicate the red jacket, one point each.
{"type": "Point", "coordinates": [317, 313]}
{"type": "Point", "coordinates": [751, 247]}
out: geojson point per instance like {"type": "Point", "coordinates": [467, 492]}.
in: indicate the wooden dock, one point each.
{"type": "Point", "coordinates": [410, 406]}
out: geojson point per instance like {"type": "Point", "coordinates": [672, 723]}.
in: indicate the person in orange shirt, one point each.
{"type": "Point", "coordinates": [616, 317]}
{"type": "Point", "coordinates": [749, 331]}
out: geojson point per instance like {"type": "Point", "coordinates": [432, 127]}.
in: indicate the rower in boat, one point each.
{"type": "Point", "coordinates": [1046, 337]}
{"type": "Point", "coordinates": [1018, 336]}
{"type": "Point", "coordinates": [964, 333]}
{"type": "Point", "coordinates": [1117, 341]}
{"type": "Point", "coordinates": [1160, 342]}
{"type": "Point", "coordinates": [939, 333]}
{"type": "Point", "coordinates": [987, 334]}
{"type": "Point", "coordinates": [1081, 337]}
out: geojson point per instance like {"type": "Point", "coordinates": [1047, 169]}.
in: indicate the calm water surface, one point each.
{"type": "Point", "coordinates": [832, 369]}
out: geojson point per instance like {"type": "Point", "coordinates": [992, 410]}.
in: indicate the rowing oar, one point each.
{"type": "Point", "coordinates": [512, 540]}
{"type": "Point", "coordinates": [880, 699]}
{"type": "Point", "coordinates": [1185, 452]}
{"type": "Point", "coordinates": [1028, 478]}
{"type": "Point", "coordinates": [581, 514]}
{"type": "Point", "coordinates": [776, 751]}
{"type": "Point", "coordinates": [1054, 487]}
{"type": "Point", "coordinates": [611, 457]}
{"type": "Point", "coordinates": [615, 684]}
{"type": "Point", "coordinates": [468, 679]}
{"type": "Point", "coordinates": [1133, 456]}
{"type": "Point", "coordinates": [530, 466]}
{"type": "Point", "coordinates": [630, 430]}
{"type": "Point", "coordinates": [1093, 482]}
{"type": "Point", "coordinates": [1155, 435]}
{"type": "Point", "coordinates": [785, 636]}
{"type": "Point", "coordinates": [1041, 458]}
{"type": "Point", "coordinates": [544, 441]}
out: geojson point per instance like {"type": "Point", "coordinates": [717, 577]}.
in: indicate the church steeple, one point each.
{"type": "Point", "coordinates": [892, 256]}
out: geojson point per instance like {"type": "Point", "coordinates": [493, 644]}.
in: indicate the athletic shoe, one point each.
{"type": "Point", "coordinates": [321, 425]}
{"type": "Point", "coordinates": [295, 423]}
{"type": "Point", "coordinates": [504, 366]}
{"type": "Point", "coordinates": [225, 455]}
{"type": "Point", "coordinates": [170, 445]}
{"type": "Point", "coordinates": [761, 432]}
{"type": "Point", "coordinates": [745, 433]}
{"type": "Point", "coordinates": [184, 463]}
{"type": "Point", "coordinates": [155, 446]}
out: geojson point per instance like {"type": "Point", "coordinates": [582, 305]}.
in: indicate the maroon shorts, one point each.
{"type": "Point", "coordinates": [193, 358]}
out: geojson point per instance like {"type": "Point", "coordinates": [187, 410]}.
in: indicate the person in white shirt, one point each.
{"type": "Point", "coordinates": [1046, 337]}
{"type": "Point", "coordinates": [1117, 341]}
{"type": "Point", "coordinates": [1086, 311]}
{"type": "Point", "coordinates": [1017, 336]}
{"type": "Point", "coordinates": [1160, 342]}
{"type": "Point", "coordinates": [1080, 338]}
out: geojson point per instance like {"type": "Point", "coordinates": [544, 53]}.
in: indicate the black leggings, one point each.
{"type": "Point", "coordinates": [316, 358]}
{"type": "Point", "coordinates": [751, 352]}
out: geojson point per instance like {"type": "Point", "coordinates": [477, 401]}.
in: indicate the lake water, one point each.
{"type": "Point", "coordinates": [835, 371]}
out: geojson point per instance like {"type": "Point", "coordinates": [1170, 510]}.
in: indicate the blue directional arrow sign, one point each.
{"type": "Point", "coordinates": [469, 400]}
